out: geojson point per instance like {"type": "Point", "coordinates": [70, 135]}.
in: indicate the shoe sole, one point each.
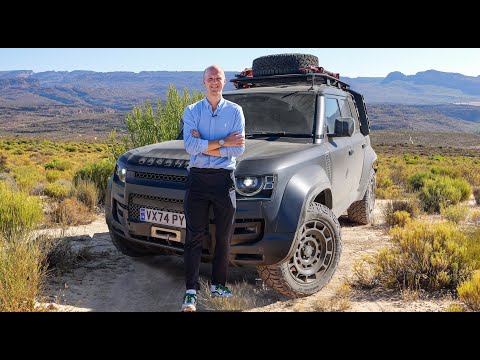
{"type": "Point", "coordinates": [189, 309]}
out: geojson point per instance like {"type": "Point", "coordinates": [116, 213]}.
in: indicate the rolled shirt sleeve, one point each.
{"type": "Point", "coordinates": [239, 126]}
{"type": "Point", "coordinates": [193, 145]}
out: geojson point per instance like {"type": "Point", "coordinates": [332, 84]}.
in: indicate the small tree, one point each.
{"type": "Point", "coordinates": [145, 127]}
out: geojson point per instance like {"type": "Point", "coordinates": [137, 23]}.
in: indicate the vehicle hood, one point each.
{"type": "Point", "coordinates": [254, 149]}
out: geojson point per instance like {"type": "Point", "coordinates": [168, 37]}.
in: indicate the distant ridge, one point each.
{"type": "Point", "coordinates": [89, 102]}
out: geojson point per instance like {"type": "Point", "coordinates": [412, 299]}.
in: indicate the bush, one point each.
{"type": "Point", "coordinates": [398, 218]}
{"type": "Point", "coordinates": [72, 212]}
{"type": "Point", "coordinates": [423, 256]}
{"type": "Point", "coordinates": [57, 190]}
{"type": "Point", "coordinates": [145, 127]}
{"type": "Point", "coordinates": [456, 213]}
{"type": "Point", "coordinates": [464, 187]}
{"type": "Point", "coordinates": [469, 292]}
{"type": "Point", "coordinates": [417, 180]}
{"type": "Point", "coordinates": [411, 206]}
{"type": "Point", "coordinates": [19, 213]}
{"type": "Point", "coordinates": [22, 274]}
{"type": "Point", "coordinates": [439, 192]}
{"type": "Point", "coordinates": [86, 191]}
{"type": "Point", "coordinates": [61, 165]}
{"type": "Point", "coordinates": [98, 173]}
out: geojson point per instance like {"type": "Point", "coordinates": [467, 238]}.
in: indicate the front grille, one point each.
{"type": "Point", "coordinates": [137, 201]}
{"type": "Point", "coordinates": [161, 177]}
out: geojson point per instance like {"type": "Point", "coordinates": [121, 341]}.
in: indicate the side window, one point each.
{"type": "Point", "coordinates": [332, 111]}
{"type": "Point", "coordinates": [344, 108]}
{"type": "Point", "coordinates": [354, 112]}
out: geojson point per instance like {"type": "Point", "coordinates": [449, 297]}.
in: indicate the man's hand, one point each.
{"type": "Point", "coordinates": [195, 134]}
{"type": "Point", "coordinates": [234, 139]}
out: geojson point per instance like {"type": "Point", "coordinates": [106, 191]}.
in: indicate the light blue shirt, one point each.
{"type": "Point", "coordinates": [227, 118]}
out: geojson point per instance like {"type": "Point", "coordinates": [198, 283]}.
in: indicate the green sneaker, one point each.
{"type": "Point", "coordinates": [189, 302]}
{"type": "Point", "coordinates": [221, 291]}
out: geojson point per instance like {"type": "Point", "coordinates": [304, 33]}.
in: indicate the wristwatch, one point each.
{"type": "Point", "coordinates": [221, 142]}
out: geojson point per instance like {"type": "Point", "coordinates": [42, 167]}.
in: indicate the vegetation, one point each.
{"type": "Point", "coordinates": [145, 127]}
{"type": "Point", "coordinates": [469, 292]}
{"type": "Point", "coordinates": [423, 256]}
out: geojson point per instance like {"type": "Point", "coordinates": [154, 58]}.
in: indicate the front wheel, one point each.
{"type": "Point", "coordinates": [314, 260]}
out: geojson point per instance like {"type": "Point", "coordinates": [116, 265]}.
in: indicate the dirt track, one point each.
{"type": "Point", "coordinates": [110, 281]}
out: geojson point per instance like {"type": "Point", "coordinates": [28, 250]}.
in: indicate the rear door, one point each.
{"type": "Point", "coordinates": [341, 155]}
{"type": "Point", "coordinates": [348, 109]}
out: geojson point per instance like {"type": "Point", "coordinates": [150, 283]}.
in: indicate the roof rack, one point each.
{"type": "Point", "coordinates": [311, 78]}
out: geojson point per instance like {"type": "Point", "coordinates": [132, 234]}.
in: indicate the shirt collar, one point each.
{"type": "Point", "coordinates": [209, 106]}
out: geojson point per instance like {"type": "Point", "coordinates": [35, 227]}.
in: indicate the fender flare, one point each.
{"type": "Point", "coordinates": [301, 190]}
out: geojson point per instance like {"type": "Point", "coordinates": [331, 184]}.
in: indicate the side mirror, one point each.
{"type": "Point", "coordinates": [344, 127]}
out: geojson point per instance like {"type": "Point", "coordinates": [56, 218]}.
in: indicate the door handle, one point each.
{"type": "Point", "coordinates": [350, 152]}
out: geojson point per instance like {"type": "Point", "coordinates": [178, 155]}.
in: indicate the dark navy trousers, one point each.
{"type": "Point", "coordinates": [205, 188]}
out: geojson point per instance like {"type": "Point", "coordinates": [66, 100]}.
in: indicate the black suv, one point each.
{"type": "Point", "coordinates": [307, 161]}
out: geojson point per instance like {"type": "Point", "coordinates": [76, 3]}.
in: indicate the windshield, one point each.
{"type": "Point", "coordinates": [286, 113]}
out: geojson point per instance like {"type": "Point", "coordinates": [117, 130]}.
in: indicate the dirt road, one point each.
{"type": "Point", "coordinates": [109, 281]}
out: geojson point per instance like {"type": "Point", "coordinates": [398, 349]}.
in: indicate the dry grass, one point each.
{"type": "Point", "coordinates": [22, 274]}
{"type": "Point", "coordinates": [245, 297]}
{"type": "Point", "coordinates": [338, 303]}
{"type": "Point", "coordinates": [71, 212]}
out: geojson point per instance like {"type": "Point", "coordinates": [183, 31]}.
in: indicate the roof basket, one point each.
{"type": "Point", "coordinates": [313, 78]}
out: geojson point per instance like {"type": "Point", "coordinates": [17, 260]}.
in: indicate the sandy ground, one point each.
{"type": "Point", "coordinates": [110, 282]}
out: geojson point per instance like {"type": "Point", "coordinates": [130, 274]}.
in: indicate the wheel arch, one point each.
{"type": "Point", "coordinates": [307, 186]}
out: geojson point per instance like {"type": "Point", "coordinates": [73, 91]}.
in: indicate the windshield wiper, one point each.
{"type": "Point", "coordinates": [276, 134]}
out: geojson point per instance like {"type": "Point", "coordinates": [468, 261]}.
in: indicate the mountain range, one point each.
{"type": "Point", "coordinates": [441, 100]}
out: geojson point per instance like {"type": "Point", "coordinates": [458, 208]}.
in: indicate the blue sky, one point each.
{"type": "Point", "coordinates": [351, 62]}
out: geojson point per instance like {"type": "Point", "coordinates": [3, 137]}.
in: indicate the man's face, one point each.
{"type": "Point", "coordinates": [214, 81]}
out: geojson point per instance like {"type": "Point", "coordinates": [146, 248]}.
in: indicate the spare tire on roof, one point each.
{"type": "Point", "coordinates": [282, 64]}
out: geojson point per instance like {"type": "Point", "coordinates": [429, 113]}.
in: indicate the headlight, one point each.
{"type": "Point", "coordinates": [121, 172]}
{"type": "Point", "coordinates": [249, 186]}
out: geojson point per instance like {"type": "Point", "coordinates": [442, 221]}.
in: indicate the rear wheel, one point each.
{"type": "Point", "coordinates": [282, 64]}
{"type": "Point", "coordinates": [314, 260]}
{"type": "Point", "coordinates": [361, 211]}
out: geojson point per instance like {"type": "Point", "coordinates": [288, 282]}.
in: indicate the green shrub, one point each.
{"type": "Point", "coordinates": [455, 213]}
{"type": "Point", "coordinates": [469, 292]}
{"type": "Point", "coordinates": [464, 187]}
{"type": "Point", "coordinates": [61, 165]}
{"type": "Point", "coordinates": [27, 177]}
{"type": "Point", "coordinates": [417, 180]}
{"type": "Point", "coordinates": [19, 213]}
{"type": "Point", "coordinates": [423, 256]}
{"type": "Point", "coordinates": [145, 127]}
{"type": "Point", "coordinates": [439, 192]}
{"type": "Point", "coordinates": [98, 173]}
{"type": "Point", "coordinates": [57, 190]}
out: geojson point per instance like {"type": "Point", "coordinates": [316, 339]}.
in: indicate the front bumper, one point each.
{"type": "Point", "coordinates": [253, 242]}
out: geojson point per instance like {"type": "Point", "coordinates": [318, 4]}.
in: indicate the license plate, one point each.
{"type": "Point", "coordinates": [162, 217]}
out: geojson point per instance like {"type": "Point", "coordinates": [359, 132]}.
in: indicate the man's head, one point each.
{"type": "Point", "coordinates": [214, 80]}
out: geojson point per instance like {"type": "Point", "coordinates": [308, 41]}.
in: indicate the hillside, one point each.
{"type": "Point", "coordinates": [62, 104]}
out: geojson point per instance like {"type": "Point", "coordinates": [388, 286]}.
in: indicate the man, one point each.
{"type": "Point", "coordinates": [214, 135]}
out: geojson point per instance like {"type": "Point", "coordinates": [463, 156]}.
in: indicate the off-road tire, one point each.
{"type": "Point", "coordinates": [318, 246]}
{"type": "Point", "coordinates": [127, 247]}
{"type": "Point", "coordinates": [361, 212]}
{"type": "Point", "coordinates": [282, 64]}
